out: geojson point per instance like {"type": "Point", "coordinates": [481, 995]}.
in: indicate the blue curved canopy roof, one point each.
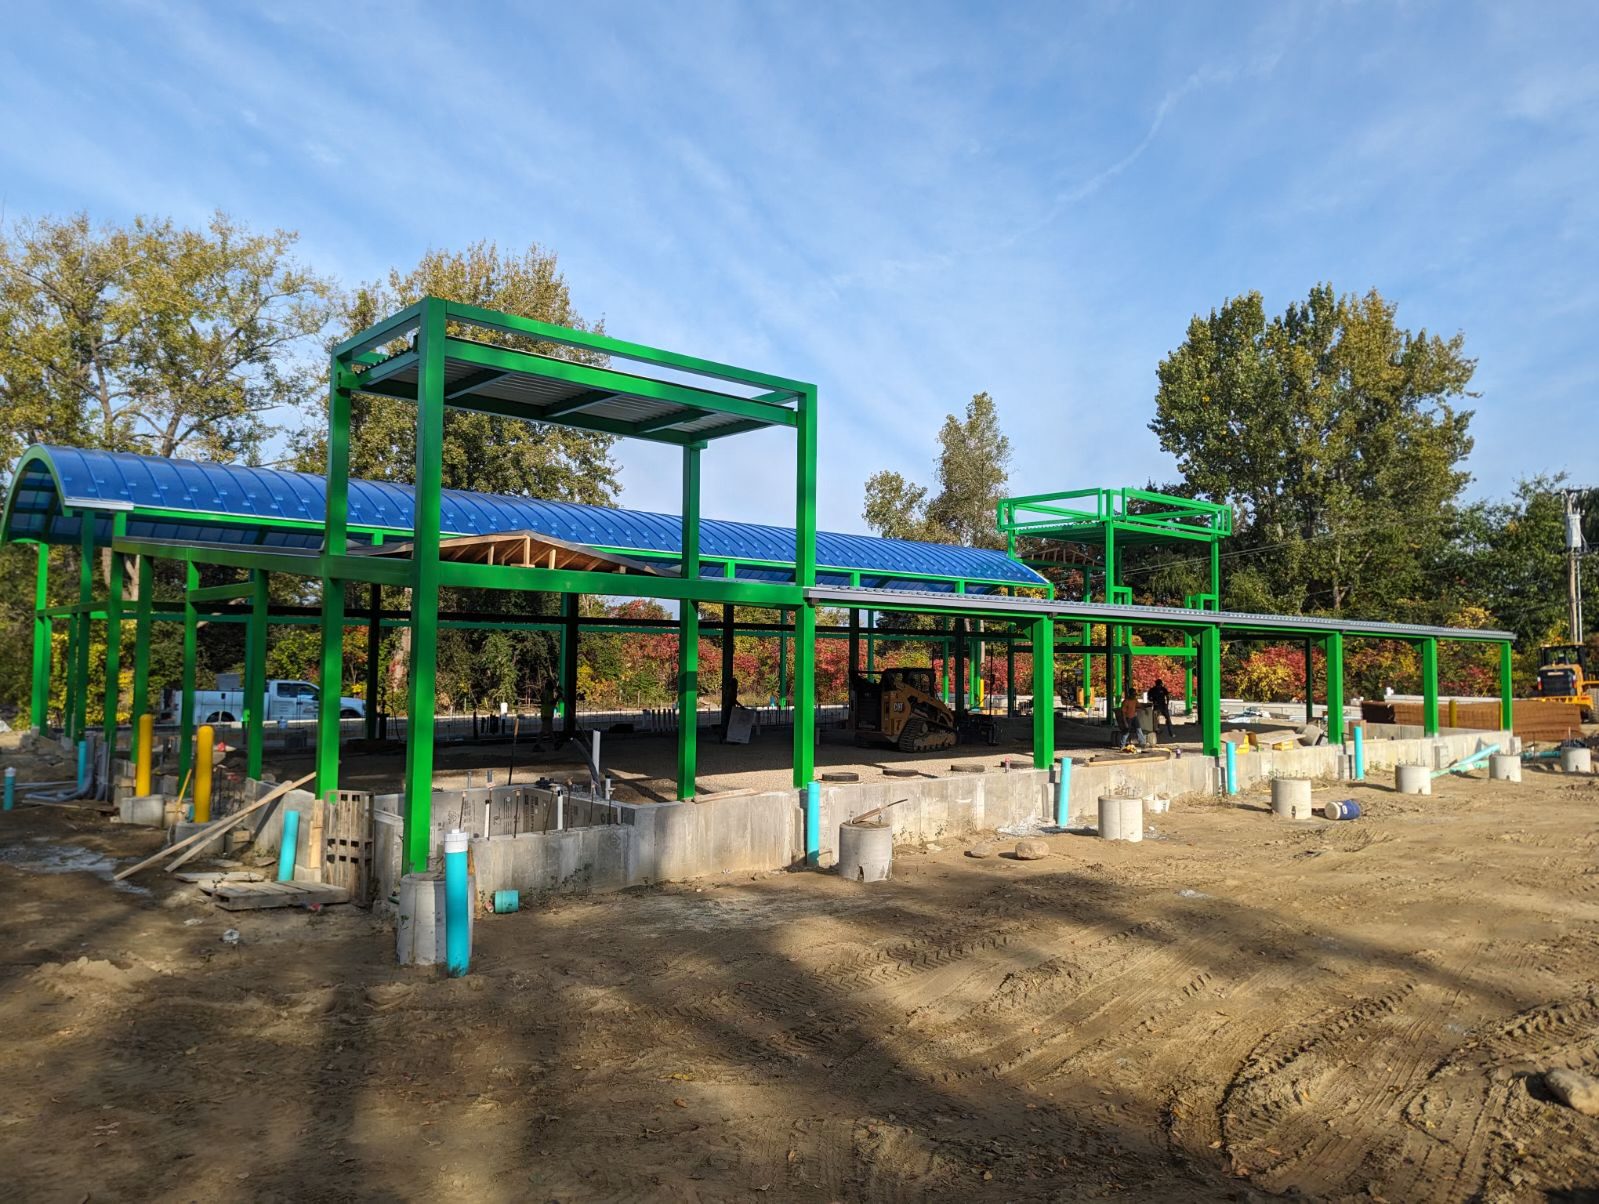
{"type": "Point", "coordinates": [191, 502]}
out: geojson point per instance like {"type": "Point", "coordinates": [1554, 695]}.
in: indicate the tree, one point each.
{"type": "Point", "coordinates": [1336, 434]}
{"type": "Point", "coordinates": [972, 470]}
{"type": "Point", "coordinates": [151, 337]}
{"type": "Point", "coordinates": [481, 451]}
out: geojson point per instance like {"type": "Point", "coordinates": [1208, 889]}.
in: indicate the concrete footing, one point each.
{"type": "Point", "coordinates": [865, 852]}
{"type": "Point", "coordinates": [1503, 767]}
{"type": "Point", "coordinates": [1576, 760]}
{"type": "Point", "coordinates": [1290, 798]}
{"type": "Point", "coordinates": [419, 927]}
{"type": "Point", "coordinates": [146, 810]}
{"type": "Point", "coordinates": [1413, 779]}
{"type": "Point", "coordinates": [1121, 818]}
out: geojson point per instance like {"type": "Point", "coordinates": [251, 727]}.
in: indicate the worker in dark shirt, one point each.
{"type": "Point", "coordinates": [1160, 700]}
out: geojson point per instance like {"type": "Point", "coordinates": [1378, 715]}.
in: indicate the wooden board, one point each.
{"type": "Point", "coordinates": [347, 844]}
{"type": "Point", "coordinates": [255, 896]}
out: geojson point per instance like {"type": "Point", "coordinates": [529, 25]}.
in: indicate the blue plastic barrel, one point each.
{"type": "Point", "coordinates": [1342, 809]}
{"type": "Point", "coordinates": [507, 901]}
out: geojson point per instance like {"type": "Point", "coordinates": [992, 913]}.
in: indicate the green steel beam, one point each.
{"type": "Point", "coordinates": [388, 330]}
{"type": "Point", "coordinates": [688, 639]}
{"type": "Point", "coordinates": [425, 581]}
{"type": "Point", "coordinates": [462, 575]}
{"type": "Point", "coordinates": [804, 694]}
{"type": "Point", "coordinates": [43, 638]}
{"type": "Point", "coordinates": [221, 593]}
{"type": "Point", "coordinates": [335, 544]}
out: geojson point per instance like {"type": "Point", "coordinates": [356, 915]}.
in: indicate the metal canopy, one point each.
{"type": "Point", "coordinates": [193, 503]}
{"type": "Point", "coordinates": [1146, 616]}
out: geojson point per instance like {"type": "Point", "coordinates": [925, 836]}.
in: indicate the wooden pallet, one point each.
{"type": "Point", "coordinates": [253, 896]}
{"type": "Point", "coordinates": [347, 844]}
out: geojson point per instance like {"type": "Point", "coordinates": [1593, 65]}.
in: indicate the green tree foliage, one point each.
{"type": "Point", "coordinates": [973, 468]}
{"type": "Point", "coordinates": [151, 337]}
{"type": "Point", "coordinates": [1336, 434]}
{"type": "Point", "coordinates": [481, 451]}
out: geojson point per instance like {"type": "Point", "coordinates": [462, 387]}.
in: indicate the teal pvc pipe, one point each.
{"type": "Point", "coordinates": [83, 764]}
{"type": "Point", "coordinates": [1360, 752]}
{"type": "Point", "coordinates": [291, 843]}
{"type": "Point", "coordinates": [1063, 793]}
{"type": "Point", "coordinates": [813, 824]}
{"type": "Point", "coordinates": [457, 937]}
{"type": "Point", "coordinates": [1232, 768]}
{"type": "Point", "coordinates": [11, 786]}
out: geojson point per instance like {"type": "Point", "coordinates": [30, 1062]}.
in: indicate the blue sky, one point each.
{"type": "Point", "coordinates": [904, 203]}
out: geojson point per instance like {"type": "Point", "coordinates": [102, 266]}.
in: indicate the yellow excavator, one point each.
{"type": "Point", "coordinates": [1563, 675]}
{"type": "Point", "coordinates": [901, 707]}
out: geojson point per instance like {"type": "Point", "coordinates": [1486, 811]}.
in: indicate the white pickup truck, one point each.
{"type": "Point", "coordinates": [284, 700]}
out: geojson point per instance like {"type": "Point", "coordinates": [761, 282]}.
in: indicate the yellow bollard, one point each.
{"type": "Point", "coordinates": [205, 744]}
{"type": "Point", "coordinates": [143, 756]}
{"type": "Point", "coordinates": [1454, 712]}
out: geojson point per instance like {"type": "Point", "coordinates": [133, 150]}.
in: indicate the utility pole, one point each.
{"type": "Point", "coordinates": [1574, 551]}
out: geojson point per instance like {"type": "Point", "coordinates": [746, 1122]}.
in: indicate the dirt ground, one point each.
{"type": "Point", "coordinates": [1237, 1008]}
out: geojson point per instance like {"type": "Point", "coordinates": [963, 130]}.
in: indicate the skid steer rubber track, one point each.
{"type": "Point", "coordinates": [917, 736]}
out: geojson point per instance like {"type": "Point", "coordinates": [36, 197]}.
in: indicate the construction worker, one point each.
{"type": "Point", "coordinates": [1160, 701]}
{"type": "Point", "coordinates": [1127, 729]}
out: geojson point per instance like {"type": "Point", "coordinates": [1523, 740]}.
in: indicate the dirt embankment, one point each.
{"type": "Point", "coordinates": [1237, 1008]}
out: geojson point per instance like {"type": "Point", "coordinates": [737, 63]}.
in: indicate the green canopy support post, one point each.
{"type": "Point", "coordinates": [1113, 633]}
{"type": "Point", "coordinates": [782, 658]}
{"type": "Point", "coordinates": [1043, 632]}
{"type": "Point", "coordinates": [1429, 686]}
{"type": "Point", "coordinates": [804, 695]}
{"type": "Point", "coordinates": [729, 686]}
{"type": "Point", "coordinates": [1310, 682]}
{"type": "Point", "coordinates": [871, 641]}
{"type": "Point", "coordinates": [688, 631]}
{"type": "Point", "coordinates": [854, 654]}
{"type": "Point", "coordinates": [1335, 687]}
{"type": "Point", "coordinates": [374, 659]}
{"type": "Point", "coordinates": [1209, 673]}
{"type": "Point", "coordinates": [974, 665]}
{"type": "Point", "coordinates": [1088, 661]}
{"type": "Point", "coordinates": [81, 624]}
{"type": "Point", "coordinates": [962, 647]}
{"type": "Point", "coordinates": [43, 635]}
{"type": "Point", "coordinates": [570, 636]}
{"type": "Point", "coordinates": [191, 627]}
{"type": "Point", "coordinates": [335, 543]}
{"type": "Point", "coordinates": [1010, 674]}
{"type": "Point", "coordinates": [1507, 686]}
{"type": "Point", "coordinates": [255, 652]}
{"type": "Point", "coordinates": [804, 578]}
{"type": "Point", "coordinates": [143, 618]}
{"type": "Point", "coordinates": [422, 704]}
{"type": "Point", "coordinates": [943, 664]}
{"type": "Point", "coordinates": [113, 649]}
{"type": "Point", "coordinates": [1188, 677]}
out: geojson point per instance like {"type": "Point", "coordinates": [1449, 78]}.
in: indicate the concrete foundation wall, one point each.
{"type": "Point", "coordinates": [610, 846]}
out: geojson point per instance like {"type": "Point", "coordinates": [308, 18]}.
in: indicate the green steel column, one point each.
{"type": "Point", "coordinates": [422, 703]}
{"type": "Point", "coordinates": [1310, 682]}
{"type": "Point", "coordinates": [1043, 692]}
{"type": "Point", "coordinates": [943, 665]}
{"type": "Point", "coordinates": [1429, 686]}
{"type": "Point", "coordinates": [782, 658]}
{"type": "Point", "coordinates": [43, 634]}
{"type": "Point", "coordinates": [688, 631]}
{"type": "Point", "coordinates": [871, 641]}
{"type": "Point", "coordinates": [854, 650]}
{"type": "Point", "coordinates": [80, 658]}
{"type": "Point", "coordinates": [143, 620]}
{"type": "Point", "coordinates": [570, 636]}
{"type": "Point", "coordinates": [962, 666]}
{"type": "Point", "coordinates": [335, 543]}
{"type": "Point", "coordinates": [1215, 573]}
{"type": "Point", "coordinates": [727, 691]}
{"type": "Point", "coordinates": [1335, 687]}
{"type": "Point", "coordinates": [804, 578]}
{"type": "Point", "coordinates": [804, 694]}
{"type": "Point", "coordinates": [374, 656]}
{"type": "Point", "coordinates": [1507, 685]}
{"type": "Point", "coordinates": [1188, 678]}
{"type": "Point", "coordinates": [1210, 691]}
{"type": "Point", "coordinates": [255, 652]}
{"type": "Point", "coordinates": [1088, 660]}
{"type": "Point", "coordinates": [1010, 673]}
{"type": "Point", "coordinates": [113, 645]}
{"type": "Point", "coordinates": [1113, 660]}
{"type": "Point", "coordinates": [191, 625]}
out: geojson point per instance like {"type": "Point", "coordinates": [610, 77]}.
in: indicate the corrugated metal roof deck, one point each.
{"type": "Point", "coordinates": [291, 506]}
